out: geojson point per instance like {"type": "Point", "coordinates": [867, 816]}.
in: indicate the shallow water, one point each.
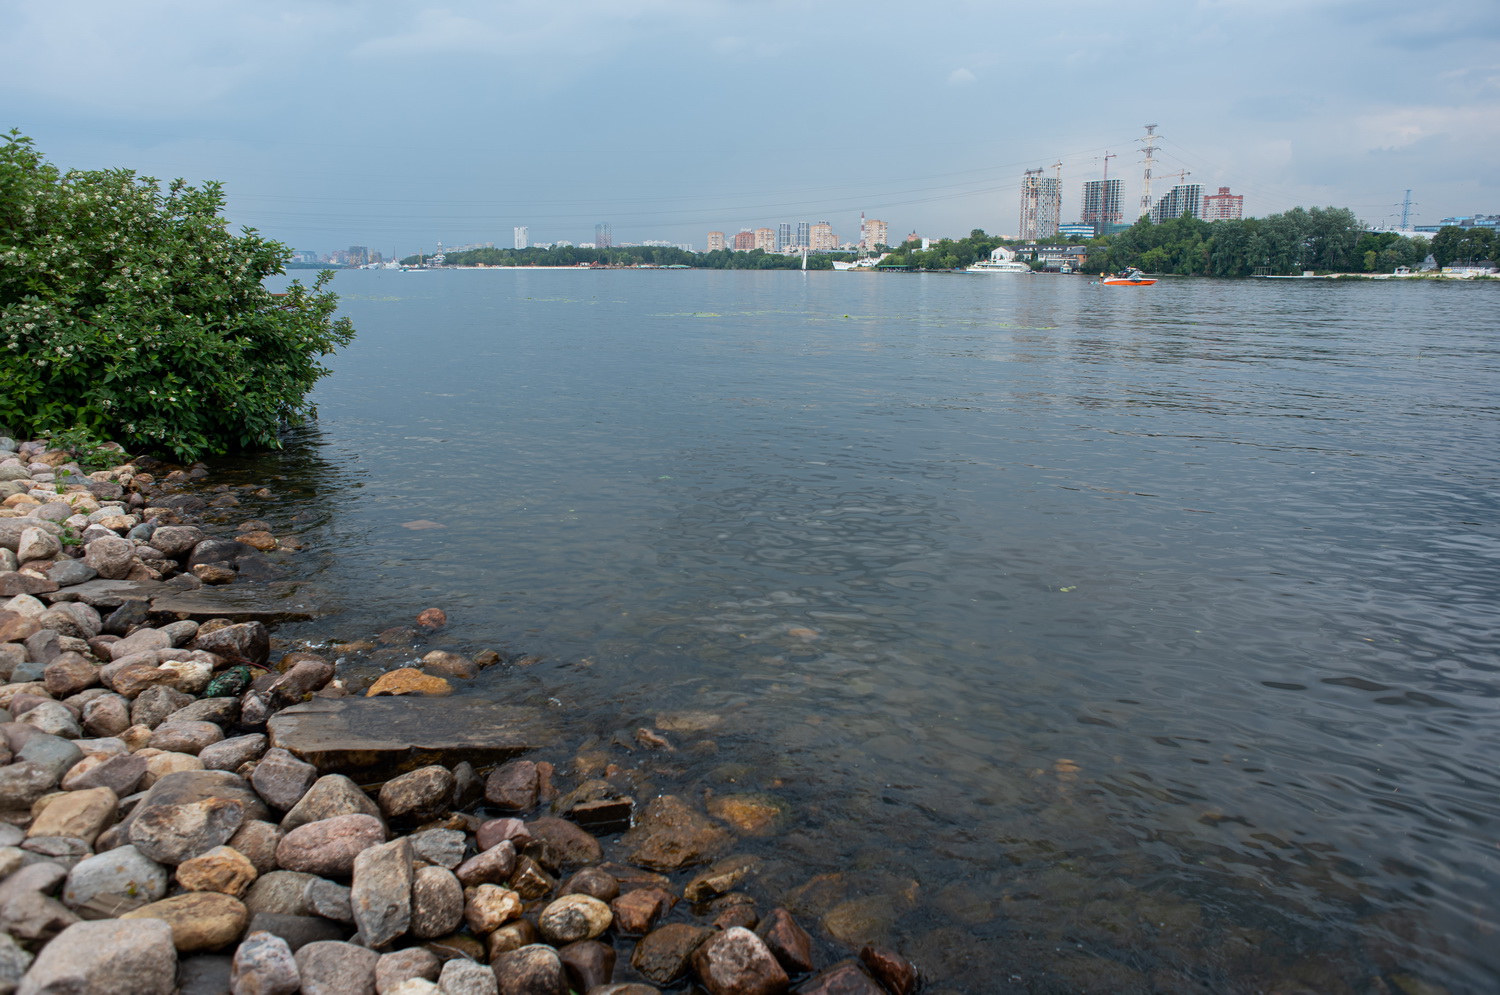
{"type": "Point", "coordinates": [1109, 639]}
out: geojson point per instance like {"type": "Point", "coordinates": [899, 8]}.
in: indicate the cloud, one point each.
{"type": "Point", "coordinates": [961, 77]}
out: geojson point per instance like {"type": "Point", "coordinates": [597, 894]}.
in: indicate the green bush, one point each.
{"type": "Point", "coordinates": [134, 314]}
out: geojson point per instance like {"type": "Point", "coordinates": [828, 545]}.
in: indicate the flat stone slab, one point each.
{"type": "Point", "coordinates": [381, 737]}
{"type": "Point", "coordinates": [275, 601]}
{"type": "Point", "coordinates": [112, 593]}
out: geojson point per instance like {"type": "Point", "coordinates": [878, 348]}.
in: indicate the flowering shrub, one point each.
{"type": "Point", "coordinates": [134, 314]}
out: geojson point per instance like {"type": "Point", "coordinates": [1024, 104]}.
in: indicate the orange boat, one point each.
{"type": "Point", "coordinates": [1130, 278]}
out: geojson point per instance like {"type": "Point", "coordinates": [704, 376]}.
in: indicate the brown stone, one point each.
{"type": "Point", "coordinates": [751, 814]}
{"type": "Point", "coordinates": [671, 835]}
{"type": "Point", "coordinates": [222, 869]}
{"type": "Point", "coordinates": [662, 955]}
{"type": "Point", "coordinates": [437, 903]}
{"type": "Point", "coordinates": [558, 844]}
{"type": "Point", "coordinates": [530, 970]}
{"type": "Point", "coordinates": [846, 978]}
{"type": "Point", "coordinates": [492, 866]}
{"type": "Point", "coordinates": [588, 963]}
{"type": "Point", "coordinates": [260, 540]}
{"type": "Point", "coordinates": [200, 920]}
{"type": "Point", "coordinates": [420, 794]}
{"type": "Point", "coordinates": [574, 917]}
{"type": "Point", "coordinates": [487, 907]}
{"type": "Point", "coordinates": [79, 814]}
{"type": "Point", "coordinates": [898, 974]}
{"type": "Point", "coordinates": [432, 618]}
{"type": "Point", "coordinates": [530, 880]}
{"type": "Point", "coordinates": [408, 680]}
{"type": "Point", "coordinates": [69, 673]}
{"type": "Point", "coordinates": [636, 912]}
{"type": "Point", "coordinates": [329, 847]}
{"type": "Point", "coordinates": [403, 965]}
{"type": "Point", "coordinates": [512, 786]}
{"type": "Point", "coordinates": [445, 664]}
{"type": "Point", "coordinates": [787, 941]}
{"type": "Point", "coordinates": [721, 877]}
{"type": "Point", "coordinates": [591, 881]}
{"type": "Point", "coordinates": [511, 936]}
{"type": "Point", "coordinates": [734, 909]}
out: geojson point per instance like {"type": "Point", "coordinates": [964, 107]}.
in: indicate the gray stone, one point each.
{"type": "Point", "coordinates": [280, 892]}
{"type": "Point", "coordinates": [140, 641]}
{"type": "Point", "coordinates": [258, 841]}
{"type": "Point", "coordinates": [181, 633]}
{"type": "Point", "coordinates": [282, 779]}
{"type": "Point", "coordinates": [186, 737]}
{"type": "Point", "coordinates": [264, 965]}
{"type": "Point", "coordinates": [13, 963]}
{"type": "Point", "coordinates": [220, 711]}
{"type": "Point", "coordinates": [443, 847]}
{"type": "Point", "coordinates": [493, 866]}
{"type": "Point", "coordinates": [297, 931]}
{"type": "Point", "coordinates": [153, 706]}
{"type": "Point", "coordinates": [204, 974]}
{"type": "Point", "coordinates": [330, 795]}
{"type": "Point", "coordinates": [329, 847]}
{"type": "Point", "coordinates": [111, 555]}
{"type": "Point", "coordinates": [23, 782]}
{"type": "Point", "coordinates": [230, 754]}
{"type": "Point", "coordinates": [371, 735]}
{"type": "Point", "coordinates": [329, 900]}
{"type": "Point", "coordinates": [191, 812]}
{"type": "Point", "coordinates": [107, 715]}
{"type": "Point", "coordinates": [381, 895]}
{"type": "Point", "coordinates": [403, 965]}
{"type": "Point", "coordinates": [333, 968]}
{"type": "Point", "coordinates": [54, 718]}
{"type": "Point", "coordinates": [113, 882]}
{"type": "Point", "coordinates": [176, 540]}
{"type": "Point", "coordinates": [55, 753]}
{"type": "Point", "coordinates": [437, 903]}
{"type": "Point", "coordinates": [106, 958]}
{"type": "Point", "coordinates": [419, 794]}
{"type": "Point", "coordinates": [245, 642]}
{"type": "Point", "coordinates": [271, 601]}
{"type": "Point", "coordinates": [464, 977]}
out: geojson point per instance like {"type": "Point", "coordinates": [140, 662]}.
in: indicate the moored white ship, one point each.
{"type": "Point", "coordinates": [1002, 260]}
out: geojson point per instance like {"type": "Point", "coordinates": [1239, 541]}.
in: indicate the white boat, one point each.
{"type": "Point", "coordinates": [869, 262]}
{"type": "Point", "coordinates": [1002, 260]}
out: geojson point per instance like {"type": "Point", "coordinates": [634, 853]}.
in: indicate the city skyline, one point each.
{"type": "Point", "coordinates": [401, 124]}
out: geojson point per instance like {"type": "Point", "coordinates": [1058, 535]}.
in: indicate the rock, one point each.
{"type": "Point", "coordinates": [185, 737]}
{"type": "Point", "coordinates": [333, 968]}
{"type": "Point", "coordinates": [66, 573]}
{"type": "Point", "coordinates": [444, 664]}
{"type": "Point", "coordinates": [492, 866]}
{"type": "Point", "coordinates": [134, 678]}
{"type": "Point", "coordinates": [330, 795]}
{"type": "Point", "coordinates": [109, 957]}
{"type": "Point", "coordinates": [511, 936]}
{"type": "Point", "coordinates": [409, 681]}
{"type": "Point", "coordinates": [26, 913]}
{"type": "Point", "coordinates": [737, 962]}
{"type": "Point", "coordinates": [282, 779]}
{"type": "Point", "coordinates": [69, 673]}
{"type": "Point", "coordinates": [379, 735]}
{"type": "Point", "coordinates": [303, 679]}
{"type": "Point", "coordinates": [200, 920]}
{"type": "Point", "coordinates": [329, 900]}
{"type": "Point", "coordinates": [297, 931]}
{"type": "Point", "coordinates": [231, 754]}
{"type": "Point", "coordinates": [897, 973]}
{"type": "Point", "coordinates": [421, 794]}
{"type": "Point", "coordinates": [79, 814]}
{"type": "Point", "coordinates": [119, 773]}
{"type": "Point", "coordinates": [464, 977]}
{"type": "Point", "coordinates": [280, 893]}
{"type": "Point", "coordinates": [53, 718]}
{"type": "Point", "coordinates": [328, 847]}
{"type": "Point", "coordinates": [176, 540]}
{"type": "Point", "coordinates": [22, 783]}
{"type": "Point", "coordinates": [37, 544]}
{"type": "Point", "coordinates": [414, 986]}
{"type": "Point", "coordinates": [662, 955]}
{"type": "Point", "coordinates": [558, 844]}
{"type": "Point", "coordinates": [846, 978]}
{"type": "Point", "coordinates": [131, 612]}
{"type": "Point", "coordinates": [530, 880]}
{"type": "Point", "coordinates": [154, 706]}
{"type": "Point", "coordinates": [191, 812]}
{"type": "Point", "coordinates": [24, 583]}
{"type": "Point", "coordinates": [111, 556]}
{"type": "Point", "coordinates": [636, 912]}
{"type": "Point", "coordinates": [222, 712]}
{"type": "Point", "coordinates": [531, 970]}
{"type": "Point", "coordinates": [443, 847]}
{"type": "Point", "coordinates": [222, 869]}
{"type": "Point", "coordinates": [437, 903]}
{"type": "Point", "coordinates": [258, 840]}
{"type": "Point", "coordinates": [720, 878]}
{"type": "Point", "coordinates": [670, 835]}
{"type": "Point", "coordinates": [487, 907]}
{"type": "Point", "coordinates": [140, 641]}
{"type": "Point", "coordinates": [381, 894]}
{"type": "Point", "coordinates": [512, 786]}
{"type": "Point", "coordinates": [108, 715]}
{"type": "Point", "coordinates": [56, 754]}
{"type": "Point", "coordinates": [588, 964]}
{"type": "Point", "coordinates": [111, 883]}
{"type": "Point", "coordinates": [14, 961]}
{"type": "Point", "coordinates": [189, 676]}
{"type": "Point", "coordinates": [264, 965]}
{"type": "Point", "coordinates": [204, 974]}
{"type": "Point", "coordinates": [403, 965]}
{"type": "Point", "coordinates": [593, 881]}
{"type": "Point", "coordinates": [574, 917]}
{"type": "Point", "coordinates": [624, 989]}
{"type": "Point", "coordinates": [162, 764]}
{"type": "Point", "coordinates": [244, 642]}
{"type": "Point", "coordinates": [494, 831]}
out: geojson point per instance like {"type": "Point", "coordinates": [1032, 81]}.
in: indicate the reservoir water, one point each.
{"type": "Point", "coordinates": [1125, 639]}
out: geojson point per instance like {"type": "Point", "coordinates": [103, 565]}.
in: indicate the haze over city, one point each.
{"type": "Point", "coordinates": [398, 125]}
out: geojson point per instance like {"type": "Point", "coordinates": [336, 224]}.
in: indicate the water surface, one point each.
{"type": "Point", "coordinates": [1127, 639]}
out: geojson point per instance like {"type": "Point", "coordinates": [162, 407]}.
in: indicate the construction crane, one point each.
{"type": "Point", "coordinates": [1149, 147]}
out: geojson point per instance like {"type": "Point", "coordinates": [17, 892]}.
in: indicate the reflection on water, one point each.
{"type": "Point", "coordinates": [1112, 641]}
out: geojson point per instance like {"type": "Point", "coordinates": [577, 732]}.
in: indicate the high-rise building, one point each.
{"type": "Point", "coordinates": [1223, 206]}
{"type": "Point", "coordinates": [744, 240]}
{"type": "Point", "coordinates": [765, 239]}
{"type": "Point", "coordinates": [523, 236]}
{"type": "Point", "coordinates": [358, 255]}
{"type": "Point", "coordinates": [1041, 204]}
{"type": "Point", "coordinates": [783, 236]}
{"type": "Point", "coordinates": [603, 237]}
{"type": "Point", "coordinates": [1101, 204]}
{"type": "Point", "coordinates": [804, 239]}
{"type": "Point", "coordinates": [1185, 198]}
{"type": "Point", "coordinates": [876, 233]}
{"type": "Point", "coordinates": [821, 237]}
{"type": "Point", "coordinates": [715, 241]}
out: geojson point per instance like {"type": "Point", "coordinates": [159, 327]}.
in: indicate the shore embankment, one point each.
{"type": "Point", "coordinates": [189, 802]}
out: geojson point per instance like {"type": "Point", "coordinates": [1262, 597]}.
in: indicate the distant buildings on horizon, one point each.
{"type": "Point", "coordinates": [812, 236]}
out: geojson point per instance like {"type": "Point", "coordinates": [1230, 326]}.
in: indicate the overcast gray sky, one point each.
{"type": "Point", "coordinates": [395, 125]}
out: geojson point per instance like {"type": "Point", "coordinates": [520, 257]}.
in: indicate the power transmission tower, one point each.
{"type": "Point", "coordinates": [1149, 147]}
{"type": "Point", "coordinates": [1406, 206]}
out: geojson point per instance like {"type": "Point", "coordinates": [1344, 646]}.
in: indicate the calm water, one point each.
{"type": "Point", "coordinates": [1109, 640]}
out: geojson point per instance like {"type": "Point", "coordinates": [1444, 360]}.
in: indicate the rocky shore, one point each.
{"type": "Point", "coordinates": [187, 804]}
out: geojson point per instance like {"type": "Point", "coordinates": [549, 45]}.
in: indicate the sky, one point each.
{"type": "Point", "coordinates": [399, 125]}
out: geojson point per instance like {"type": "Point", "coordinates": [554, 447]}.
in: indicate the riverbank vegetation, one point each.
{"type": "Point", "coordinates": [132, 313]}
